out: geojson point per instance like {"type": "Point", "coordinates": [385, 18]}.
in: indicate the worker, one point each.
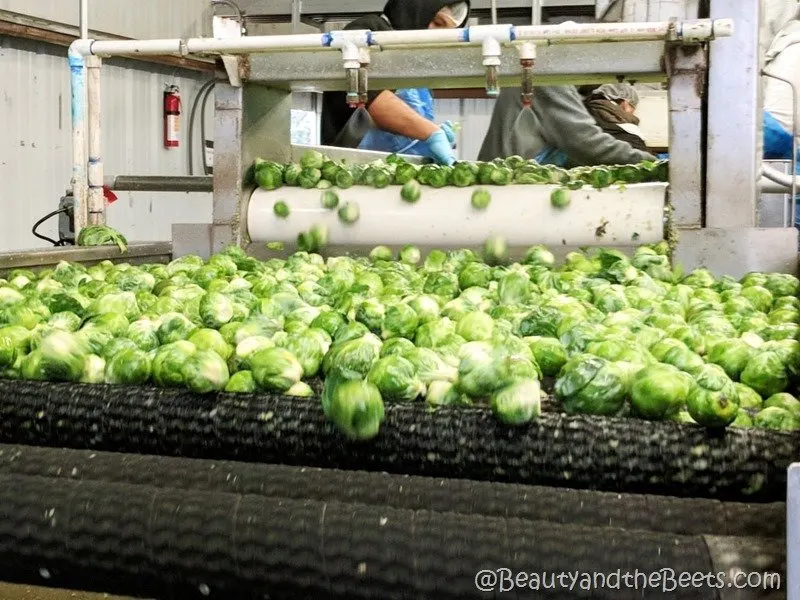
{"type": "Point", "coordinates": [780, 100]}
{"type": "Point", "coordinates": [402, 120]}
{"type": "Point", "coordinates": [561, 131]}
{"type": "Point", "coordinates": [613, 107]}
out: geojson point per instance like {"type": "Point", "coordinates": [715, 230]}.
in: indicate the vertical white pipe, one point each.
{"type": "Point", "coordinates": [536, 12]}
{"type": "Point", "coordinates": [494, 12]}
{"type": "Point", "coordinates": [78, 109]}
{"type": "Point", "coordinates": [96, 199]}
{"type": "Point", "coordinates": [84, 19]}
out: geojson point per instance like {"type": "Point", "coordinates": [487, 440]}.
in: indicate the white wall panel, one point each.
{"type": "Point", "coordinates": [135, 19]}
{"type": "Point", "coordinates": [35, 145]}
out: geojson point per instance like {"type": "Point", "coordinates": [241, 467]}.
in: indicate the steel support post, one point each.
{"type": "Point", "coordinates": [734, 120]}
{"type": "Point", "coordinates": [686, 68]}
{"type": "Point", "coordinates": [793, 533]}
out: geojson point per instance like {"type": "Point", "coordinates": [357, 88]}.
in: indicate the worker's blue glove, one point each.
{"type": "Point", "coordinates": [447, 127]}
{"type": "Point", "coordinates": [439, 148]}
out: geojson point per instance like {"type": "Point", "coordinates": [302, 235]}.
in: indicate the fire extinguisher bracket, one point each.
{"type": "Point", "coordinates": [172, 116]}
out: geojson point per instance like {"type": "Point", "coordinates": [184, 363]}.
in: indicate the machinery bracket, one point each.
{"type": "Point", "coordinates": [233, 66]}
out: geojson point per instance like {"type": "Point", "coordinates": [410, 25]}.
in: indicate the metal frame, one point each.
{"type": "Point", "coordinates": [793, 533]}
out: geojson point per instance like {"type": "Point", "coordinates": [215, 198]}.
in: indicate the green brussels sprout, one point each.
{"type": "Point", "coordinates": [117, 345]}
{"type": "Point", "coordinates": [714, 401]}
{"type": "Point", "coordinates": [774, 417]}
{"type": "Point", "coordinates": [309, 349]}
{"type": "Point", "coordinates": [349, 213]}
{"type": "Point", "coordinates": [539, 256]}
{"type": "Point", "coordinates": [62, 356]}
{"type": "Point", "coordinates": [742, 420]}
{"type": "Point", "coordinates": [430, 366]}
{"type": "Point", "coordinates": [354, 406]}
{"type": "Point", "coordinates": [268, 175]}
{"type": "Point", "coordinates": [442, 393]}
{"type": "Point", "coordinates": [659, 391]}
{"type": "Point", "coordinates": [732, 355]}
{"type": "Point", "coordinates": [275, 369]}
{"type": "Point", "coordinates": [396, 346]}
{"type": "Point", "coordinates": [404, 173]}
{"type": "Point", "coordinates": [353, 358]}
{"type": "Point", "coordinates": [433, 333]}
{"type": "Point", "coordinates": [241, 382]}
{"type": "Point", "coordinates": [122, 303]}
{"type": "Point", "coordinates": [68, 321]}
{"type": "Point", "coordinates": [748, 398]}
{"type": "Point", "coordinates": [94, 370]}
{"type": "Point", "coordinates": [784, 401]}
{"type": "Point", "coordinates": [205, 372]}
{"type": "Point", "coordinates": [782, 285]}
{"type": "Point", "coordinates": [328, 320]}
{"type": "Point", "coordinates": [240, 361]}
{"type": "Point", "coordinates": [481, 198]}
{"type": "Point", "coordinates": [211, 339]}
{"type": "Point", "coordinates": [766, 373]}
{"type": "Point", "coordinates": [175, 327]}
{"type": "Point", "coordinates": [426, 306]}
{"type": "Point", "coordinates": [371, 313]}
{"type": "Point", "coordinates": [400, 320]}
{"type": "Point", "coordinates": [410, 255]}
{"type": "Point", "coordinates": [495, 250]}
{"type": "Point", "coordinates": [14, 343]}
{"type": "Point", "coordinates": [474, 274]}
{"type": "Point", "coordinates": [144, 334]}
{"type": "Point", "coordinates": [396, 378]}
{"type": "Point", "coordinates": [129, 366]}
{"type": "Point", "coordinates": [514, 288]}
{"type": "Point", "coordinates": [167, 368]}
{"type": "Point", "coordinates": [759, 297]}
{"type": "Point", "coordinates": [312, 159]}
{"type": "Point", "coordinates": [560, 198]}
{"type": "Point", "coordinates": [475, 327]}
{"type": "Point", "coordinates": [518, 403]}
{"type": "Point", "coordinates": [591, 385]}
{"type": "Point", "coordinates": [291, 173]}
{"type": "Point", "coordinates": [281, 209]}
{"type": "Point", "coordinates": [300, 390]}
{"type": "Point", "coordinates": [381, 253]}
{"type": "Point", "coordinates": [411, 191]}
{"type": "Point", "coordinates": [549, 354]}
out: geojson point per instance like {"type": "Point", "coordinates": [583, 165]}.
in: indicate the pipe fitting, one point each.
{"type": "Point", "coordinates": [723, 28]}
{"type": "Point", "coordinates": [501, 33]}
{"type": "Point", "coordinates": [492, 51]}
{"type": "Point", "coordinates": [695, 31]}
{"type": "Point", "coordinates": [358, 38]}
{"type": "Point", "coordinates": [364, 56]}
{"type": "Point", "coordinates": [351, 56]}
{"type": "Point", "coordinates": [80, 48]}
{"type": "Point", "coordinates": [527, 51]}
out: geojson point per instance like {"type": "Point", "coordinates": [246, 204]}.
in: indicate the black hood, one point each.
{"type": "Point", "coordinates": [415, 14]}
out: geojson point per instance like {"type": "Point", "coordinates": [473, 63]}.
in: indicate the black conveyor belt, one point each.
{"type": "Point", "coordinates": [580, 452]}
{"type": "Point", "coordinates": [575, 507]}
{"type": "Point", "coordinates": [168, 543]}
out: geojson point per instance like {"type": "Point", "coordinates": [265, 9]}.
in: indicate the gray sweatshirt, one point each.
{"type": "Point", "coordinates": [561, 122]}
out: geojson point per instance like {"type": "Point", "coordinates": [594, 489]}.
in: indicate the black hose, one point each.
{"type": "Point", "coordinates": [192, 114]}
{"type": "Point", "coordinates": [42, 220]}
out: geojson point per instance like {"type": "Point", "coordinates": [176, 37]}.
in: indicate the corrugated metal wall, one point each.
{"type": "Point", "coordinates": [135, 19]}
{"type": "Point", "coordinates": [35, 145]}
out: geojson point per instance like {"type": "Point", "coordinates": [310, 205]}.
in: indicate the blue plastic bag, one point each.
{"type": "Point", "coordinates": [552, 156]}
{"type": "Point", "coordinates": [777, 140]}
{"type": "Point", "coordinates": [421, 100]}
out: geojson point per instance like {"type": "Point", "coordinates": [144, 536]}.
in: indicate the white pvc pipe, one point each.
{"type": "Point", "coordinates": [84, 18]}
{"type": "Point", "coordinates": [444, 217]}
{"type": "Point", "coordinates": [78, 110]}
{"type": "Point", "coordinates": [601, 32]}
{"type": "Point", "coordinates": [96, 200]}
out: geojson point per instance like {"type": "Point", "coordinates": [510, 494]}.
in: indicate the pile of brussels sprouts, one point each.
{"type": "Point", "coordinates": [607, 334]}
{"type": "Point", "coordinates": [315, 170]}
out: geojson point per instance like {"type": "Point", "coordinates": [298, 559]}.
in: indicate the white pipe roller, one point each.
{"type": "Point", "coordinates": [445, 218]}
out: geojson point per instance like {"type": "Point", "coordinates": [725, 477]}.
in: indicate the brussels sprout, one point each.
{"type": "Point", "coordinates": [748, 397]}
{"type": "Point", "coordinates": [62, 356]}
{"type": "Point", "coordinates": [591, 385]}
{"type": "Point", "coordinates": [381, 253]}
{"type": "Point", "coordinates": [115, 346]}
{"type": "Point", "coordinates": [396, 345]}
{"type": "Point", "coordinates": [354, 406]}
{"type": "Point", "coordinates": [518, 403]}
{"type": "Point", "coordinates": [549, 354]}
{"type": "Point", "coordinates": [354, 358]}
{"type": "Point", "coordinates": [442, 393]}
{"type": "Point", "coordinates": [759, 297]}
{"type": "Point", "coordinates": [241, 382]}
{"type": "Point", "coordinates": [774, 417]}
{"type": "Point", "coordinates": [396, 378]}
{"type": "Point", "coordinates": [211, 339]}
{"type": "Point", "coordinates": [129, 366]}
{"type": "Point", "coordinates": [732, 355]}
{"type": "Point", "coordinates": [204, 372]}
{"type": "Point", "coordinates": [495, 250]}
{"type": "Point", "coordinates": [560, 198]}
{"type": "Point", "coordinates": [659, 391]}
{"type": "Point", "coordinates": [309, 349]}
{"type": "Point", "coordinates": [539, 256]}
{"type": "Point", "coordinates": [430, 366]}
{"type": "Point", "coordinates": [766, 373]}
{"type": "Point", "coordinates": [514, 289]}
{"type": "Point", "coordinates": [400, 320]}
{"type": "Point", "coordinates": [410, 255]}
{"type": "Point", "coordinates": [275, 369]}
{"type": "Point", "coordinates": [475, 326]}
{"type": "Point", "coordinates": [123, 303]}
{"type": "Point", "coordinates": [349, 213]}
{"type": "Point", "coordinates": [784, 401]}
{"type": "Point", "coordinates": [281, 209]}
{"type": "Point", "coordinates": [714, 401]}
{"type": "Point", "coordinates": [300, 390]}
{"type": "Point", "coordinates": [411, 191]}
{"type": "Point", "coordinates": [68, 321]}
{"type": "Point", "coordinates": [14, 342]}
{"type": "Point", "coordinates": [94, 370]}
{"type": "Point", "coordinates": [247, 348]}
{"type": "Point", "coordinates": [481, 198]}
{"type": "Point", "coordinates": [742, 420]}
{"type": "Point", "coordinates": [433, 333]}
{"type": "Point", "coordinates": [167, 369]}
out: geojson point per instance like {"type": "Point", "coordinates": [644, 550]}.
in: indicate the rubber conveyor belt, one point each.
{"type": "Point", "coordinates": [576, 507]}
{"type": "Point", "coordinates": [580, 452]}
{"type": "Point", "coordinates": [169, 543]}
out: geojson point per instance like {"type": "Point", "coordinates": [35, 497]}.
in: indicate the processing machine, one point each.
{"type": "Point", "coordinates": [160, 493]}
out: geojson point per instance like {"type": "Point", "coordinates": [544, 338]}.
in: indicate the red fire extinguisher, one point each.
{"type": "Point", "coordinates": [172, 116]}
